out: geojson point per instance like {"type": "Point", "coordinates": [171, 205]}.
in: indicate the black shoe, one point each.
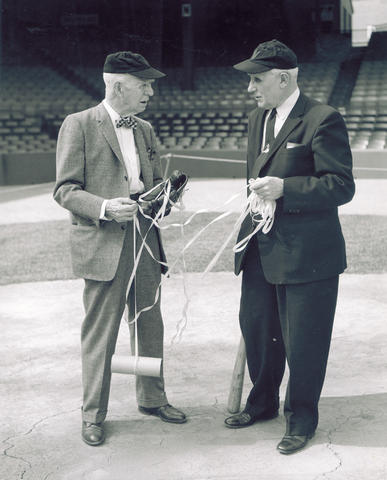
{"type": "Point", "coordinates": [92, 433]}
{"type": "Point", "coordinates": [245, 419]}
{"type": "Point", "coordinates": [293, 443]}
{"type": "Point", "coordinates": [167, 413]}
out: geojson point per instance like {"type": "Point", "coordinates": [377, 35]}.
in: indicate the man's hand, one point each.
{"type": "Point", "coordinates": [121, 209]}
{"type": "Point", "coordinates": [146, 207]}
{"type": "Point", "coordinates": [268, 188]}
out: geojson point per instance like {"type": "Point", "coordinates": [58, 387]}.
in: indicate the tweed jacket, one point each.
{"type": "Point", "coordinates": [312, 154]}
{"type": "Point", "coordinates": [90, 169]}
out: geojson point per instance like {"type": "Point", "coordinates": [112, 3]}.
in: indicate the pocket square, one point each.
{"type": "Point", "coordinates": [293, 145]}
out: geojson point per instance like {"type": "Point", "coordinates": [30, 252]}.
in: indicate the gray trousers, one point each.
{"type": "Point", "coordinates": [104, 304]}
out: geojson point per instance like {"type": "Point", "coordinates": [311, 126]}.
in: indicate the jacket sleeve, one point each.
{"type": "Point", "coordinates": [332, 183]}
{"type": "Point", "coordinates": [69, 190]}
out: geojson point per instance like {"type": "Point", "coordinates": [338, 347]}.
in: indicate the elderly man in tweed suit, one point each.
{"type": "Point", "coordinates": [106, 157]}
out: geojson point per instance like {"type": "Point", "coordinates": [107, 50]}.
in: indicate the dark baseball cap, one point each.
{"type": "Point", "coordinates": [268, 55]}
{"type": "Point", "coordinates": [133, 63]}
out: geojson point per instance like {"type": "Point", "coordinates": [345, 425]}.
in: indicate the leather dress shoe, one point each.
{"type": "Point", "coordinates": [245, 419]}
{"type": "Point", "coordinates": [293, 443]}
{"type": "Point", "coordinates": [92, 433]}
{"type": "Point", "coordinates": [167, 413]}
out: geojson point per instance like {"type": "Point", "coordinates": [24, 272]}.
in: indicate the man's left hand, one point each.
{"type": "Point", "coordinates": [268, 188]}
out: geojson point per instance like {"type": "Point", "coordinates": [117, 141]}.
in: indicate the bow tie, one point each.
{"type": "Point", "coordinates": [127, 122]}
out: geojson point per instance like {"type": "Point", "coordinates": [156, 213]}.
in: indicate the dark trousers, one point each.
{"type": "Point", "coordinates": [290, 323]}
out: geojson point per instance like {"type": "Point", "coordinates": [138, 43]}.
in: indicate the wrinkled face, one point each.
{"type": "Point", "coordinates": [266, 88]}
{"type": "Point", "coordinates": [133, 94]}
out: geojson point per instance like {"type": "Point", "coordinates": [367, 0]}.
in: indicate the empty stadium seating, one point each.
{"type": "Point", "coordinates": [365, 114]}
{"type": "Point", "coordinates": [214, 115]}
{"type": "Point", "coordinates": [35, 100]}
{"type": "Point", "coordinates": [28, 94]}
{"type": "Point", "coordinates": [37, 89]}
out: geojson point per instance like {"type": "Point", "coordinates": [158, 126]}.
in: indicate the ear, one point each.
{"type": "Point", "coordinates": [117, 88]}
{"type": "Point", "coordinates": [284, 79]}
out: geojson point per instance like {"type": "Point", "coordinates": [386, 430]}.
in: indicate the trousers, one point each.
{"type": "Point", "coordinates": [104, 304]}
{"type": "Point", "coordinates": [282, 323]}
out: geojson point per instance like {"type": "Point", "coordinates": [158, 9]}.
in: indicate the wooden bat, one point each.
{"type": "Point", "coordinates": [238, 374]}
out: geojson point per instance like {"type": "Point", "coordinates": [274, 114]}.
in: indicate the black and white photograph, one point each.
{"type": "Point", "coordinates": [193, 238]}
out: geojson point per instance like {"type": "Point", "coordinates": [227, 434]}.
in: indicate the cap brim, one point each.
{"type": "Point", "coordinates": [148, 74]}
{"type": "Point", "coordinates": [252, 67]}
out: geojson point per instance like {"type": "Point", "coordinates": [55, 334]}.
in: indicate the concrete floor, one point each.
{"type": "Point", "coordinates": [40, 371]}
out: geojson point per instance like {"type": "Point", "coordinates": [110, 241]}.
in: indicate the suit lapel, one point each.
{"type": "Point", "coordinates": [290, 124]}
{"type": "Point", "coordinates": [107, 128]}
{"type": "Point", "coordinates": [146, 168]}
{"type": "Point", "coordinates": [256, 138]}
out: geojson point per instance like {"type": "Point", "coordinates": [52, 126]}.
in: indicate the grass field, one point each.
{"type": "Point", "coordinates": [33, 252]}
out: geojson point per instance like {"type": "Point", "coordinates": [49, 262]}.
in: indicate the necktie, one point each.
{"type": "Point", "coordinates": [270, 129]}
{"type": "Point", "coordinates": [127, 122]}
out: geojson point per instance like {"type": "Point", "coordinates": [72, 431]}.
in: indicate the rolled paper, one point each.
{"type": "Point", "coordinates": [147, 366]}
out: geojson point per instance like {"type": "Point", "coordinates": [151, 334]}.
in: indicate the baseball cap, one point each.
{"type": "Point", "coordinates": [269, 55]}
{"type": "Point", "coordinates": [133, 63]}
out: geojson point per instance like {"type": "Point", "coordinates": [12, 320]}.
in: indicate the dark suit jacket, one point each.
{"type": "Point", "coordinates": [90, 168]}
{"type": "Point", "coordinates": [306, 242]}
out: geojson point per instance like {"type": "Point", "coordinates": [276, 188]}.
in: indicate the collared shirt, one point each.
{"type": "Point", "coordinates": [125, 139]}
{"type": "Point", "coordinates": [127, 145]}
{"type": "Point", "coordinates": [283, 112]}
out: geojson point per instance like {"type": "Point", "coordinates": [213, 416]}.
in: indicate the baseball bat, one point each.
{"type": "Point", "coordinates": [238, 374]}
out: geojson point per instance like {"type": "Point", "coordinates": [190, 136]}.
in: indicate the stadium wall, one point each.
{"type": "Point", "coordinates": [33, 168]}
{"type": "Point", "coordinates": [27, 168]}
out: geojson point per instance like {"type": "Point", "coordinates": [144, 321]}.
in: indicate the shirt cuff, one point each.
{"type": "Point", "coordinates": [102, 212]}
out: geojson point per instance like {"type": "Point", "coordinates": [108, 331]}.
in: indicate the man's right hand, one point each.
{"type": "Point", "coordinates": [121, 209]}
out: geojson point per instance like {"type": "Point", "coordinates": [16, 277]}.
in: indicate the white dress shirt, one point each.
{"type": "Point", "coordinates": [283, 112]}
{"type": "Point", "coordinates": [127, 145]}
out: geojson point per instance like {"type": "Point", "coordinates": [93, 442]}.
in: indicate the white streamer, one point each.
{"type": "Point", "coordinates": [261, 212]}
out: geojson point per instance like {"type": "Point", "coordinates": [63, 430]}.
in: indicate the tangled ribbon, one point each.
{"type": "Point", "coordinates": [262, 215]}
{"type": "Point", "coordinates": [261, 212]}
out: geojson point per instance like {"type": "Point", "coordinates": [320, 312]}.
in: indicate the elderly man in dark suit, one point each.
{"type": "Point", "coordinates": [298, 157]}
{"type": "Point", "coordinates": [106, 157]}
